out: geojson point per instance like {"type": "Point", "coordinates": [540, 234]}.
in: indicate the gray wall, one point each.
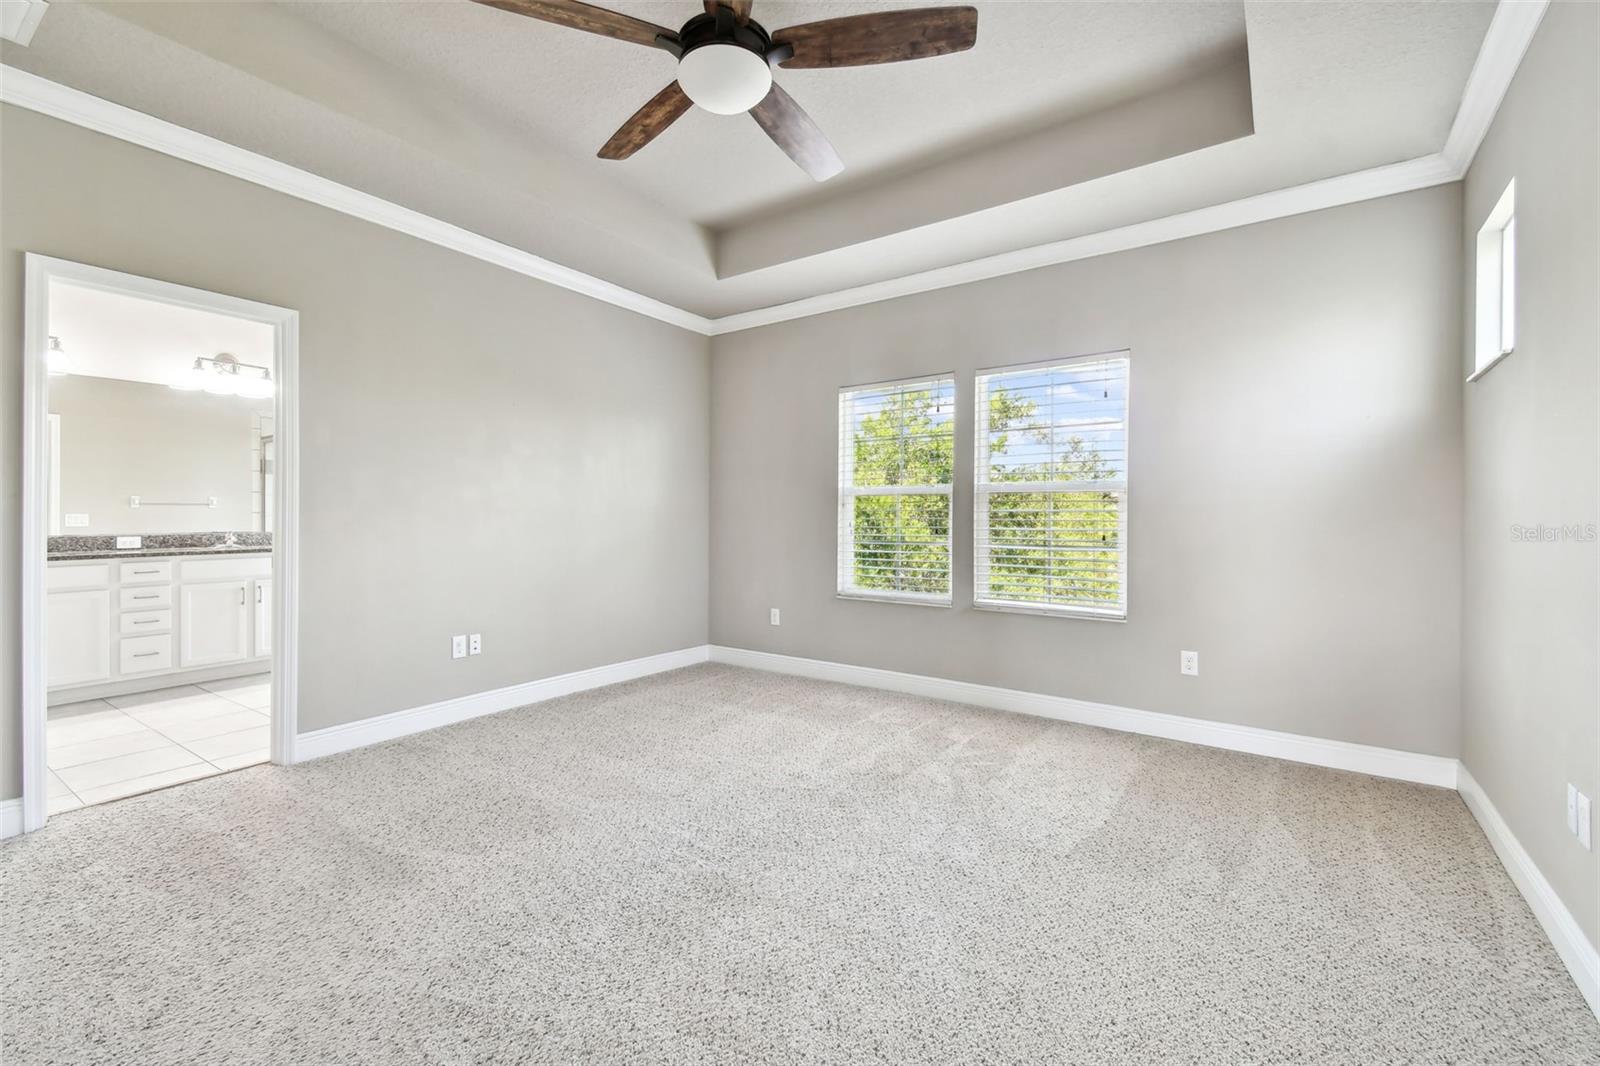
{"type": "Point", "coordinates": [132, 438]}
{"type": "Point", "coordinates": [481, 452]}
{"type": "Point", "coordinates": [1531, 698]}
{"type": "Point", "coordinates": [1295, 476]}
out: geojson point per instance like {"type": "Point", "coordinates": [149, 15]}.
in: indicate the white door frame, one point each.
{"type": "Point", "coordinates": [40, 271]}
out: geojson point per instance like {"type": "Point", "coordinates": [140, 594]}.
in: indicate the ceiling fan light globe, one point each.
{"type": "Point", "coordinates": [724, 79]}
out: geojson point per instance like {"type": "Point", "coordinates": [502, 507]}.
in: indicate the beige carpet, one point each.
{"type": "Point", "coordinates": [718, 865]}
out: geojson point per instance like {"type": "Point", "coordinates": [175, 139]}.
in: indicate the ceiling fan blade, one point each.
{"type": "Point", "coordinates": [793, 130]}
{"type": "Point", "coordinates": [884, 37]}
{"type": "Point", "coordinates": [740, 8]}
{"type": "Point", "coordinates": [663, 110]}
{"type": "Point", "coordinates": [588, 18]}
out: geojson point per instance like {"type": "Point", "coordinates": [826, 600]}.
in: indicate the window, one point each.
{"type": "Point", "coordinates": [1051, 487]}
{"type": "Point", "coordinates": [1496, 301]}
{"type": "Point", "coordinates": [896, 453]}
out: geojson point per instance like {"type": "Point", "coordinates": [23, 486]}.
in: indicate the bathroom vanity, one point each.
{"type": "Point", "coordinates": [157, 616]}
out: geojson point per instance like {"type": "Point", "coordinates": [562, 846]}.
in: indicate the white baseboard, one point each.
{"type": "Point", "coordinates": [1580, 957]}
{"type": "Point", "coordinates": [335, 739]}
{"type": "Point", "coordinates": [1337, 754]}
{"type": "Point", "coordinates": [10, 818]}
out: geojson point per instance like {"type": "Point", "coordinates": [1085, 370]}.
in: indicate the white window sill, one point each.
{"type": "Point", "coordinates": [895, 597]}
{"type": "Point", "coordinates": [1486, 367]}
{"type": "Point", "coordinates": [1052, 612]}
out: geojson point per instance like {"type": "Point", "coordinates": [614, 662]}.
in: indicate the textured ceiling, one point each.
{"type": "Point", "coordinates": [1036, 63]}
{"type": "Point", "coordinates": [491, 121]}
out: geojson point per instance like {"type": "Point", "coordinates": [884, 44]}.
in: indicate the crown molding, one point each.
{"type": "Point", "coordinates": [1298, 199]}
{"type": "Point", "coordinates": [20, 18]}
{"type": "Point", "coordinates": [1506, 41]}
{"type": "Point", "coordinates": [51, 98]}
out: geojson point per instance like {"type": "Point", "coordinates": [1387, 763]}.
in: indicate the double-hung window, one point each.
{"type": "Point", "coordinates": [896, 455]}
{"type": "Point", "coordinates": [1051, 487]}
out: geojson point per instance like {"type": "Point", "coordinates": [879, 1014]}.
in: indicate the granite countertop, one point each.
{"type": "Point", "coordinates": [150, 553]}
{"type": "Point", "coordinates": [88, 548]}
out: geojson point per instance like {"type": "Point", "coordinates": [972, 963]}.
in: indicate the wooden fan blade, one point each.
{"type": "Point", "coordinates": [662, 111]}
{"type": "Point", "coordinates": [793, 130]}
{"type": "Point", "coordinates": [885, 37]}
{"type": "Point", "coordinates": [588, 18]}
{"type": "Point", "coordinates": [740, 8]}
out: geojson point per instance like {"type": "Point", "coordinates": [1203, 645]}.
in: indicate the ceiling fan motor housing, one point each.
{"type": "Point", "coordinates": [723, 28]}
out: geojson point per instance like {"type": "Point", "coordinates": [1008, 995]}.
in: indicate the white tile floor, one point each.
{"type": "Point", "coordinates": [106, 749]}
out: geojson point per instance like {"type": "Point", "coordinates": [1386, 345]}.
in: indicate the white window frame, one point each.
{"type": "Point", "coordinates": [981, 488]}
{"type": "Point", "coordinates": [1495, 300]}
{"type": "Point", "coordinates": [849, 492]}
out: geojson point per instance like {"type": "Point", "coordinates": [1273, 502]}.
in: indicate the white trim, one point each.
{"type": "Point", "coordinates": [1336, 754]}
{"type": "Point", "coordinates": [10, 818]}
{"type": "Point", "coordinates": [21, 18]}
{"type": "Point", "coordinates": [1504, 44]}
{"type": "Point", "coordinates": [1580, 957]}
{"type": "Point", "coordinates": [39, 271]}
{"type": "Point", "coordinates": [1506, 41]}
{"type": "Point", "coordinates": [30, 91]}
{"type": "Point", "coordinates": [1315, 196]}
{"type": "Point", "coordinates": [376, 730]}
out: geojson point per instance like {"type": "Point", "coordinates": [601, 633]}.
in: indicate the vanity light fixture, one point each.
{"type": "Point", "coordinates": [57, 360]}
{"type": "Point", "coordinates": [225, 375]}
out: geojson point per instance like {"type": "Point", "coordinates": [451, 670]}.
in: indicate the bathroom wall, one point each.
{"type": "Point", "coordinates": [131, 438]}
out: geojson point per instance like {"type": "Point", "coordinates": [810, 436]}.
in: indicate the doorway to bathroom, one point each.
{"type": "Point", "coordinates": [159, 536]}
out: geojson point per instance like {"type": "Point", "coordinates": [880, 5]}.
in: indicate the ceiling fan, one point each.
{"type": "Point", "coordinates": [725, 62]}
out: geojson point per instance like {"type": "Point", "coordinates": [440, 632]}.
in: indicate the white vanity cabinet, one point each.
{"type": "Point", "coordinates": [122, 625]}
{"type": "Point", "coordinates": [216, 623]}
{"type": "Point", "coordinates": [263, 619]}
{"type": "Point", "coordinates": [80, 637]}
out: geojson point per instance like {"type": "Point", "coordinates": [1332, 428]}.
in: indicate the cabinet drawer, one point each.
{"type": "Point", "coordinates": [141, 654]}
{"type": "Point", "coordinates": [140, 598]}
{"type": "Point", "coordinates": [138, 623]}
{"type": "Point", "coordinates": [231, 567]}
{"type": "Point", "coordinates": [95, 575]}
{"type": "Point", "coordinates": [147, 572]}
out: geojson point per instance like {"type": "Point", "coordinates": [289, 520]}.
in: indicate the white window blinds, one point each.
{"type": "Point", "coordinates": [896, 454]}
{"type": "Point", "coordinates": [1051, 487]}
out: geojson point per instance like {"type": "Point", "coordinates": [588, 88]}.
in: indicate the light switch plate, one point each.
{"type": "Point", "coordinates": [773, 619]}
{"type": "Point", "coordinates": [1583, 821]}
{"type": "Point", "coordinates": [1572, 809]}
{"type": "Point", "coordinates": [76, 521]}
{"type": "Point", "coordinates": [130, 542]}
{"type": "Point", "coordinates": [458, 647]}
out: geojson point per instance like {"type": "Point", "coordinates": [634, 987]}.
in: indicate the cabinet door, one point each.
{"type": "Point", "coordinates": [214, 623]}
{"type": "Point", "coordinates": [78, 640]}
{"type": "Point", "coordinates": [263, 626]}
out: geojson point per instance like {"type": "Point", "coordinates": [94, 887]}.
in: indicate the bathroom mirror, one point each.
{"type": "Point", "coordinates": [161, 417]}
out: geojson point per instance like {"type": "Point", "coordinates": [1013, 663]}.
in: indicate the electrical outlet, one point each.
{"type": "Point", "coordinates": [1189, 663]}
{"type": "Point", "coordinates": [774, 617]}
{"type": "Point", "coordinates": [1572, 809]}
{"type": "Point", "coordinates": [458, 647]}
{"type": "Point", "coordinates": [1583, 821]}
{"type": "Point", "coordinates": [475, 644]}
{"type": "Point", "coordinates": [75, 521]}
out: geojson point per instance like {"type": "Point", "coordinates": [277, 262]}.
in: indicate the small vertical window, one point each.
{"type": "Point", "coordinates": [896, 456]}
{"type": "Point", "coordinates": [1496, 297]}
